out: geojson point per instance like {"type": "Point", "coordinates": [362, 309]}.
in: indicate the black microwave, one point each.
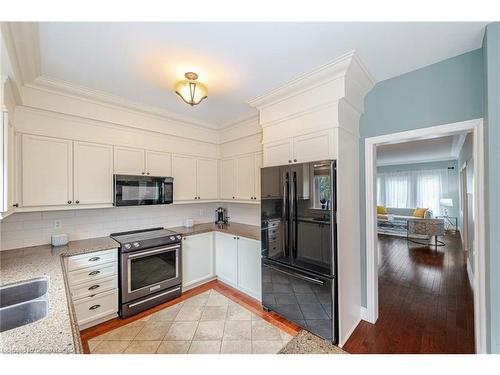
{"type": "Point", "coordinates": [142, 190]}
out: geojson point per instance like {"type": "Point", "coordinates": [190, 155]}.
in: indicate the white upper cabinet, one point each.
{"type": "Point", "coordinates": [47, 171]}
{"type": "Point", "coordinates": [258, 166]}
{"type": "Point", "coordinates": [8, 184]}
{"type": "Point", "coordinates": [158, 163]}
{"type": "Point", "coordinates": [271, 184]}
{"type": "Point", "coordinates": [228, 179]}
{"type": "Point", "coordinates": [245, 177]}
{"type": "Point", "coordinates": [93, 172]}
{"type": "Point", "coordinates": [316, 146]}
{"type": "Point", "coordinates": [129, 161]}
{"type": "Point", "coordinates": [207, 179]}
{"type": "Point", "coordinates": [184, 173]}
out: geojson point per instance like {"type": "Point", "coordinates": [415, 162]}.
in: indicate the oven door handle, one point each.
{"type": "Point", "coordinates": [153, 251]}
{"type": "Point", "coordinates": [293, 274]}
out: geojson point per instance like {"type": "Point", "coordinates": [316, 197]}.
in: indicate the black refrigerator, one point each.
{"type": "Point", "coordinates": [299, 245]}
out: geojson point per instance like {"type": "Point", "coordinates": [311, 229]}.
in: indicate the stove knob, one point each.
{"type": "Point", "coordinates": [127, 246]}
{"type": "Point", "coordinates": [172, 238]}
{"type": "Point", "coordinates": [137, 244]}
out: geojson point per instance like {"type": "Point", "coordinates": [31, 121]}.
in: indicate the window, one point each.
{"type": "Point", "coordinates": [322, 191]}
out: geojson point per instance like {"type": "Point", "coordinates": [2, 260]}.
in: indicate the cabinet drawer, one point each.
{"type": "Point", "coordinates": [98, 306]}
{"type": "Point", "coordinates": [92, 259]}
{"type": "Point", "coordinates": [88, 275]}
{"type": "Point", "coordinates": [97, 286]}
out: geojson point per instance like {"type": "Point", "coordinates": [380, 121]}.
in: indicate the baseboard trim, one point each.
{"type": "Point", "coordinates": [364, 314]}
{"type": "Point", "coordinates": [470, 274]}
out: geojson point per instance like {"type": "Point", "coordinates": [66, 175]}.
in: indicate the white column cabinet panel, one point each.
{"type": "Point", "coordinates": [207, 178]}
{"type": "Point", "coordinates": [249, 267]}
{"type": "Point", "coordinates": [271, 186]}
{"type": "Point", "coordinates": [197, 259]}
{"type": "Point", "coordinates": [245, 177]}
{"type": "Point", "coordinates": [184, 173]}
{"type": "Point", "coordinates": [278, 153]}
{"type": "Point", "coordinates": [93, 173]}
{"type": "Point", "coordinates": [226, 258]}
{"type": "Point", "coordinates": [158, 163]}
{"type": "Point", "coordinates": [47, 171]}
{"type": "Point", "coordinates": [8, 193]}
{"type": "Point", "coordinates": [129, 161]}
{"type": "Point", "coordinates": [257, 166]}
{"type": "Point", "coordinates": [228, 179]}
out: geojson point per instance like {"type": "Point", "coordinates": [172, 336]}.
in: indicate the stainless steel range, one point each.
{"type": "Point", "coordinates": [150, 268]}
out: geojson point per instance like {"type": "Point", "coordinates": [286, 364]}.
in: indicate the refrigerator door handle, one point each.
{"type": "Point", "coordinates": [298, 276]}
{"type": "Point", "coordinates": [286, 214]}
{"type": "Point", "coordinates": [293, 216]}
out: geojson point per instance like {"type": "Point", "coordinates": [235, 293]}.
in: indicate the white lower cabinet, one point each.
{"type": "Point", "coordinates": [197, 259]}
{"type": "Point", "coordinates": [93, 285]}
{"type": "Point", "coordinates": [237, 263]}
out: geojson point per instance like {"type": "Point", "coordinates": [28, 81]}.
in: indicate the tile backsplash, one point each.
{"type": "Point", "coordinates": [36, 228]}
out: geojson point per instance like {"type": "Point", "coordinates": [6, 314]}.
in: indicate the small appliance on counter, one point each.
{"type": "Point", "coordinates": [221, 216]}
{"type": "Point", "coordinates": [59, 239]}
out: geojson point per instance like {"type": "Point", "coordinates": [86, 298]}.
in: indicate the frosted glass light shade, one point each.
{"type": "Point", "coordinates": [446, 202]}
{"type": "Point", "coordinates": [191, 91]}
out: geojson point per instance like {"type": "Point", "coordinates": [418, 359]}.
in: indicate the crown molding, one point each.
{"type": "Point", "coordinates": [22, 44]}
{"type": "Point", "coordinates": [406, 162]}
{"type": "Point", "coordinates": [247, 117]}
{"type": "Point", "coordinates": [53, 85]}
{"type": "Point", "coordinates": [338, 68]}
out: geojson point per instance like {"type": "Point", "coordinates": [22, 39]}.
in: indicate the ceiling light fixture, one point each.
{"type": "Point", "coordinates": [190, 91]}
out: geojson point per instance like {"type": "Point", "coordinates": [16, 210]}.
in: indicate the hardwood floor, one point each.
{"type": "Point", "coordinates": [425, 301]}
{"type": "Point", "coordinates": [231, 293]}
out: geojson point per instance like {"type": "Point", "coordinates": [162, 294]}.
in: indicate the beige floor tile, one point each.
{"type": "Point", "coordinates": [285, 337]}
{"type": "Point", "coordinates": [127, 332]}
{"type": "Point", "coordinates": [111, 347]}
{"type": "Point", "coordinates": [93, 344]}
{"type": "Point", "coordinates": [142, 347]}
{"type": "Point", "coordinates": [173, 347]}
{"type": "Point", "coordinates": [236, 312]}
{"type": "Point", "coordinates": [214, 313]}
{"type": "Point", "coordinates": [189, 313]}
{"type": "Point", "coordinates": [217, 300]}
{"type": "Point", "coordinates": [236, 347]}
{"type": "Point", "coordinates": [238, 330]}
{"type": "Point", "coordinates": [153, 331]}
{"type": "Point", "coordinates": [167, 314]}
{"type": "Point", "coordinates": [256, 317]}
{"type": "Point", "coordinates": [199, 300]}
{"type": "Point", "coordinates": [266, 346]}
{"type": "Point", "coordinates": [205, 347]}
{"type": "Point", "coordinates": [210, 330]}
{"type": "Point", "coordinates": [183, 331]}
{"type": "Point", "coordinates": [262, 330]}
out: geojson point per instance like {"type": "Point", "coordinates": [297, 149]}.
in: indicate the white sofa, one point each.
{"type": "Point", "coordinates": [395, 222]}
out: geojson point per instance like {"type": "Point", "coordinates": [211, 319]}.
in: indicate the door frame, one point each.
{"type": "Point", "coordinates": [476, 128]}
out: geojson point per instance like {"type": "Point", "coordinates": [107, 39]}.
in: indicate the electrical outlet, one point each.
{"type": "Point", "coordinates": [57, 224]}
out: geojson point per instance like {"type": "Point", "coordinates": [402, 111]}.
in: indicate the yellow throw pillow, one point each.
{"type": "Point", "coordinates": [420, 212]}
{"type": "Point", "coordinates": [381, 210]}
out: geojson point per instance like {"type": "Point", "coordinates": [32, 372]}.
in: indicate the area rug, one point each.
{"type": "Point", "coordinates": [307, 343]}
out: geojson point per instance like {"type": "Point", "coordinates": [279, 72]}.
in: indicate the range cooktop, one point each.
{"type": "Point", "coordinates": [145, 238]}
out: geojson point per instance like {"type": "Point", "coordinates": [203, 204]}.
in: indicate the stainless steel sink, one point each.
{"type": "Point", "coordinates": [23, 303]}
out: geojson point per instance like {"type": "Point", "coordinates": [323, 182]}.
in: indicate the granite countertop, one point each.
{"type": "Point", "coordinates": [237, 229]}
{"type": "Point", "coordinates": [58, 331]}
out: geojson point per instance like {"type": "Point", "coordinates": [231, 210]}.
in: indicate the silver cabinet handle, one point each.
{"type": "Point", "coordinates": [94, 259]}
{"type": "Point", "coordinates": [163, 249]}
{"type": "Point", "coordinates": [152, 298]}
{"type": "Point", "coordinates": [93, 287]}
{"type": "Point", "coordinates": [94, 307]}
{"type": "Point", "coordinates": [93, 273]}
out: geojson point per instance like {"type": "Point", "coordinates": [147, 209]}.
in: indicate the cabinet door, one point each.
{"type": "Point", "coordinates": [7, 174]}
{"type": "Point", "coordinates": [249, 268]}
{"type": "Point", "coordinates": [93, 173]}
{"type": "Point", "coordinates": [277, 153]}
{"type": "Point", "coordinates": [197, 259]}
{"type": "Point", "coordinates": [158, 163]}
{"type": "Point", "coordinates": [184, 173]}
{"type": "Point", "coordinates": [207, 179]}
{"type": "Point", "coordinates": [129, 161]}
{"type": "Point", "coordinates": [271, 183]}
{"type": "Point", "coordinates": [47, 171]}
{"type": "Point", "coordinates": [228, 179]}
{"type": "Point", "coordinates": [313, 147]}
{"type": "Point", "coordinates": [245, 177]}
{"type": "Point", "coordinates": [258, 166]}
{"type": "Point", "coordinates": [226, 258]}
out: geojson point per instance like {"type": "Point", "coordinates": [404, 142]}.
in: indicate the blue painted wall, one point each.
{"type": "Point", "coordinates": [442, 93]}
{"type": "Point", "coordinates": [452, 178]}
{"type": "Point", "coordinates": [491, 58]}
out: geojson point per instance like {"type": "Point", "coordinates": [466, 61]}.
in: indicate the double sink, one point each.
{"type": "Point", "coordinates": [23, 303]}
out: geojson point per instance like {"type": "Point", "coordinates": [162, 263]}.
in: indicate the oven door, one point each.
{"type": "Point", "coordinates": [148, 271]}
{"type": "Point", "coordinates": [142, 190]}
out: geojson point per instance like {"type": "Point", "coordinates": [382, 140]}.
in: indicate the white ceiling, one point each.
{"type": "Point", "coordinates": [420, 151]}
{"type": "Point", "coordinates": [237, 61]}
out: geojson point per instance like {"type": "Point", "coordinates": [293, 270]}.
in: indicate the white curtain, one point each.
{"type": "Point", "coordinates": [410, 189]}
